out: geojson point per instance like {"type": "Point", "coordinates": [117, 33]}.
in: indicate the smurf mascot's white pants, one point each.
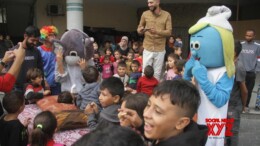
{"type": "Point", "coordinates": [155, 59]}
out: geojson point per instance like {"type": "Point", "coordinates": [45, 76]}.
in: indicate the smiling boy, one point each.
{"type": "Point", "coordinates": [169, 112]}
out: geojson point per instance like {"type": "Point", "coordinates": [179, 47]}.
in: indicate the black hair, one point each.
{"type": "Point", "coordinates": [136, 62]}
{"type": "Point", "coordinates": [114, 85]}
{"type": "Point", "coordinates": [149, 71]}
{"type": "Point", "coordinates": [44, 126]}
{"type": "Point", "coordinates": [182, 93]}
{"type": "Point", "coordinates": [117, 51]}
{"type": "Point", "coordinates": [32, 31]}
{"type": "Point", "coordinates": [174, 56]}
{"type": "Point", "coordinates": [90, 74]}
{"type": "Point", "coordinates": [136, 102]}
{"type": "Point", "coordinates": [13, 101]}
{"type": "Point", "coordinates": [65, 97]}
{"type": "Point", "coordinates": [121, 64]}
{"type": "Point", "coordinates": [238, 48]}
{"type": "Point", "coordinates": [111, 136]}
{"type": "Point", "coordinates": [251, 30]}
{"type": "Point", "coordinates": [107, 57]}
{"type": "Point", "coordinates": [33, 73]}
{"type": "Point", "coordinates": [179, 64]}
{"type": "Point", "coordinates": [110, 49]}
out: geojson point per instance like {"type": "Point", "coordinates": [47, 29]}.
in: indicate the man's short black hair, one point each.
{"type": "Point", "coordinates": [32, 31]}
{"type": "Point", "coordinates": [114, 85]}
{"type": "Point", "coordinates": [182, 93]}
{"type": "Point", "coordinates": [148, 71]}
{"type": "Point", "coordinates": [90, 74]}
{"type": "Point", "coordinates": [13, 101]}
{"type": "Point", "coordinates": [251, 30]}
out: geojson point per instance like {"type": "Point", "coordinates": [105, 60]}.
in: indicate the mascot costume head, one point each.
{"type": "Point", "coordinates": [212, 66]}
{"type": "Point", "coordinates": [75, 45]}
{"type": "Point", "coordinates": [212, 40]}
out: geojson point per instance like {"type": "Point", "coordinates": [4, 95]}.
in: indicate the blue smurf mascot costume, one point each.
{"type": "Point", "coordinates": [211, 64]}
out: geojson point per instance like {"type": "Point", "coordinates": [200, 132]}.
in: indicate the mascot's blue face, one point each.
{"type": "Point", "coordinates": [206, 46]}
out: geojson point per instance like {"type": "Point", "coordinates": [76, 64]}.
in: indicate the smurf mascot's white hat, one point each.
{"type": "Point", "coordinates": [217, 17]}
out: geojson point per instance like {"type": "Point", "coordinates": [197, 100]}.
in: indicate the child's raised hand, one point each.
{"type": "Point", "coordinates": [94, 106]}
{"type": "Point", "coordinates": [82, 63]}
{"type": "Point", "coordinates": [91, 108]}
{"type": "Point", "coordinates": [132, 116]}
{"type": "Point", "coordinates": [46, 92]}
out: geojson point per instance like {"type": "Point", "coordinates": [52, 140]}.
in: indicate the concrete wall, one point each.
{"type": "Point", "coordinates": [42, 18]}
{"type": "Point", "coordinates": [240, 28]}
{"type": "Point", "coordinates": [120, 17]}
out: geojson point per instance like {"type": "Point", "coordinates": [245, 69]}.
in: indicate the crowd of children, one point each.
{"type": "Point", "coordinates": [102, 96]}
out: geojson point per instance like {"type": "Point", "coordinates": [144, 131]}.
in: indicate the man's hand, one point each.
{"type": "Point", "coordinates": [152, 30]}
{"type": "Point", "coordinates": [59, 56]}
{"type": "Point", "coordinates": [9, 56]}
{"type": "Point", "coordinates": [20, 52]}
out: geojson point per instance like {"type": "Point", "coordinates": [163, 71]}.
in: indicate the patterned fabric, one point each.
{"type": "Point", "coordinates": [67, 137]}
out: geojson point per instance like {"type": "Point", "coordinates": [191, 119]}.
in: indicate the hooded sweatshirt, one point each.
{"type": "Point", "coordinates": [193, 135]}
{"type": "Point", "coordinates": [88, 94]}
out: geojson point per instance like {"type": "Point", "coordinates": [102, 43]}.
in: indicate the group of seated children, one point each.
{"type": "Point", "coordinates": [163, 119]}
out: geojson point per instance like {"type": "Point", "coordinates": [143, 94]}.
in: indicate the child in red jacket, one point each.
{"type": "Point", "coordinates": [148, 82]}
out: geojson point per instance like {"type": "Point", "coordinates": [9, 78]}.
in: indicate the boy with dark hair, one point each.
{"type": "Point", "coordinates": [90, 91]}
{"type": "Point", "coordinates": [148, 82]}
{"type": "Point", "coordinates": [134, 76]}
{"type": "Point", "coordinates": [168, 115]}
{"type": "Point", "coordinates": [121, 73]}
{"type": "Point", "coordinates": [33, 88]}
{"type": "Point", "coordinates": [112, 90]}
{"type": "Point", "coordinates": [13, 132]}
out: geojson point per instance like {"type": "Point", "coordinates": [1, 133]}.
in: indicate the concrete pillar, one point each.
{"type": "Point", "coordinates": [75, 14]}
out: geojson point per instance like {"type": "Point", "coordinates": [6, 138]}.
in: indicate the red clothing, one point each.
{"type": "Point", "coordinates": [146, 85]}
{"type": "Point", "coordinates": [111, 59]}
{"type": "Point", "coordinates": [7, 82]}
{"type": "Point", "coordinates": [107, 71]}
{"type": "Point", "coordinates": [52, 143]}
